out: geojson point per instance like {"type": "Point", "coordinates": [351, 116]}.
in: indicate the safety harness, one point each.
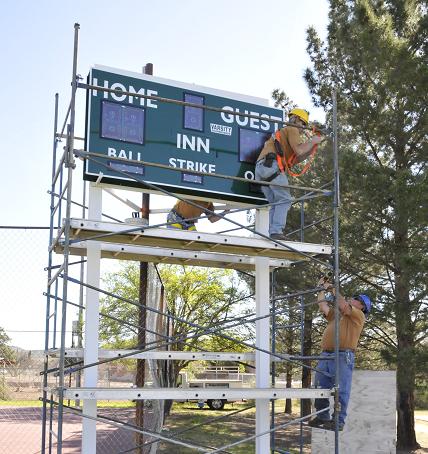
{"type": "Point", "coordinates": [290, 161]}
{"type": "Point", "coordinates": [182, 223]}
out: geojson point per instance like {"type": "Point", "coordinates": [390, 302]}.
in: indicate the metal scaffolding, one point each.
{"type": "Point", "coordinates": [91, 237]}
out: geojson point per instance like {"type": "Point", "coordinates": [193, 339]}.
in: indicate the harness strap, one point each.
{"type": "Point", "coordinates": [279, 152]}
{"type": "Point", "coordinates": [181, 223]}
{"type": "Point", "coordinates": [177, 213]}
{"type": "Point", "coordinates": [291, 161]}
{"type": "Point", "coordinates": [272, 177]}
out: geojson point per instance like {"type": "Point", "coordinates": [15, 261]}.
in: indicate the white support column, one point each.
{"type": "Point", "coordinates": [89, 431]}
{"type": "Point", "coordinates": [262, 338]}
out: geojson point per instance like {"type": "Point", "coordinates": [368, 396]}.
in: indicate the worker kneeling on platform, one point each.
{"type": "Point", "coordinates": [184, 215]}
{"type": "Point", "coordinates": [289, 146]}
{"type": "Point", "coordinates": [353, 312]}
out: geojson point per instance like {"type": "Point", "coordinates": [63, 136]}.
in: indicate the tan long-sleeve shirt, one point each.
{"type": "Point", "coordinates": [290, 139]}
{"type": "Point", "coordinates": [350, 330]}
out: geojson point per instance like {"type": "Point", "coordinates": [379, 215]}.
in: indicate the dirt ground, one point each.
{"type": "Point", "coordinates": [20, 432]}
{"type": "Point", "coordinates": [232, 429]}
{"type": "Point", "coordinates": [287, 439]}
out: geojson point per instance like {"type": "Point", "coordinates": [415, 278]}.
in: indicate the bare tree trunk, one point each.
{"type": "Point", "coordinates": [171, 378]}
{"type": "Point", "coordinates": [406, 371]}
{"type": "Point", "coordinates": [406, 367]}
{"type": "Point", "coordinates": [307, 351]}
{"type": "Point", "coordinates": [289, 375]}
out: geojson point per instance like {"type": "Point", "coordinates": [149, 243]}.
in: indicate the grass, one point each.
{"type": "Point", "coordinates": [20, 403]}
{"type": "Point", "coordinates": [185, 415]}
{"type": "Point", "coordinates": [38, 403]}
{"type": "Point", "coordinates": [223, 432]}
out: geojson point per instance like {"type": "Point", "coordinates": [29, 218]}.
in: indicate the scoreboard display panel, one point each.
{"type": "Point", "coordinates": [184, 138]}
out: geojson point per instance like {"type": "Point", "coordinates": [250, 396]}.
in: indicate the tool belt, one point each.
{"type": "Point", "coordinates": [269, 158]}
{"type": "Point", "coordinates": [268, 162]}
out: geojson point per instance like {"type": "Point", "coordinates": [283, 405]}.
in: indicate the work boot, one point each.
{"type": "Point", "coordinates": [278, 236]}
{"type": "Point", "coordinates": [318, 422]}
{"type": "Point", "coordinates": [330, 425]}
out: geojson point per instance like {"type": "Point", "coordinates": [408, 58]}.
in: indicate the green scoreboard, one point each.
{"type": "Point", "coordinates": [184, 138]}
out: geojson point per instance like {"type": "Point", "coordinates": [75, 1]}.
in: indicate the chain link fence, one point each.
{"type": "Point", "coordinates": [22, 324]}
{"type": "Point", "coordinates": [24, 256]}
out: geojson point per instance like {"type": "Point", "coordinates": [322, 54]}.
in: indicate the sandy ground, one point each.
{"type": "Point", "coordinates": [421, 423]}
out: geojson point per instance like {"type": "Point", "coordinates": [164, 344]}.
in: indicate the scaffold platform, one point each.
{"type": "Point", "coordinates": [162, 245]}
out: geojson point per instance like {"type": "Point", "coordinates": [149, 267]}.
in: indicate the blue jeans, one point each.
{"type": "Point", "coordinates": [328, 366]}
{"type": "Point", "coordinates": [274, 194]}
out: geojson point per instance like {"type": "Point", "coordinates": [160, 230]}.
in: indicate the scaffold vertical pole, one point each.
{"type": "Point", "coordinates": [262, 337]}
{"type": "Point", "coordinates": [69, 164]}
{"type": "Point", "coordinates": [302, 323]}
{"type": "Point", "coordinates": [336, 203]}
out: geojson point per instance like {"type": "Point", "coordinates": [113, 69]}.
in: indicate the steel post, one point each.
{"type": "Point", "coordinates": [89, 435]}
{"type": "Point", "coordinates": [140, 378]}
{"type": "Point", "coordinates": [273, 347]}
{"type": "Point", "coordinates": [262, 338]}
{"type": "Point", "coordinates": [81, 305]}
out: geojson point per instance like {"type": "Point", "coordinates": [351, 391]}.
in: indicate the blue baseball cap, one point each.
{"type": "Point", "coordinates": [366, 302]}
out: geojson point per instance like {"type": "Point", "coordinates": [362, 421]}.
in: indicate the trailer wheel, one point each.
{"type": "Point", "coordinates": [216, 404]}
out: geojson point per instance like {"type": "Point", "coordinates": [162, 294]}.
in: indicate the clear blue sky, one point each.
{"type": "Point", "coordinates": [243, 46]}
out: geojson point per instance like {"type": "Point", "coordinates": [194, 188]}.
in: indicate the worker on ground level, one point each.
{"type": "Point", "coordinates": [183, 215]}
{"type": "Point", "coordinates": [353, 312]}
{"type": "Point", "coordinates": [289, 146]}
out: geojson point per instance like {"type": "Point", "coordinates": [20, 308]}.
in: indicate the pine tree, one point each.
{"type": "Point", "coordinates": [376, 58]}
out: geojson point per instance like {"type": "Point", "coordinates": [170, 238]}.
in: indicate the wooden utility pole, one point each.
{"type": "Point", "coordinates": [142, 315]}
